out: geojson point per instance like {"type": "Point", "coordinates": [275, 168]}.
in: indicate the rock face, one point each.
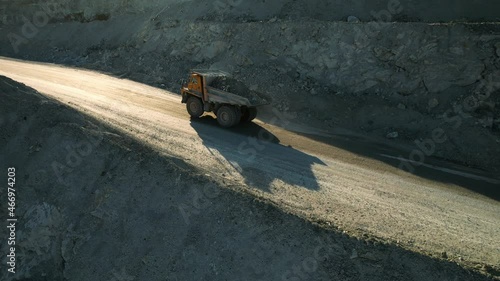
{"type": "Point", "coordinates": [331, 10]}
{"type": "Point", "coordinates": [392, 135]}
{"type": "Point", "coordinates": [353, 19]}
{"type": "Point", "coordinates": [356, 58]}
{"type": "Point", "coordinates": [433, 103]}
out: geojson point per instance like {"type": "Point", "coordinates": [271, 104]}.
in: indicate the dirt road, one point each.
{"type": "Point", "coordinates": [352, 185]}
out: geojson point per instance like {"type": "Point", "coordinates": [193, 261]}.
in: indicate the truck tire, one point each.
{"type": "Point", "coordinates": [248, 114]}
{"type": "Point", "coordinates": [194, 107]}
{"type": "Point", "coordinates": [228, 116]}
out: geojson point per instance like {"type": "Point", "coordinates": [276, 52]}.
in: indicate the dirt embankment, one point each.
{"type": "Point", "coordinates": [95, 204]}
{"type": "Point", "coordinates": [238, 10]}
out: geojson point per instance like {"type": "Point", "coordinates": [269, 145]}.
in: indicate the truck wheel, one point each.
{"type": "Point", "coordinates": [252, 113]}
{"type": "Point", "coordinates": [248, 114]}
{"type": "Point", "coordinates": [194, 107]}
{"type": "Point", "coordinates": [228, 116]}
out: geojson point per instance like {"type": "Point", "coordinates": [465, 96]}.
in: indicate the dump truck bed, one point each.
{"type": "Point", "coordinates": [217, 87]}
{"type": "Point", "coordinates": [223, 97]}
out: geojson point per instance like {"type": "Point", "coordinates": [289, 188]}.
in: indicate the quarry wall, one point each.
{"type": "Point", "coordinates": [336, 10]}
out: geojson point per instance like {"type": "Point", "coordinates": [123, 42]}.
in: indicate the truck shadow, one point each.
{"type": "Point", "coordinates": [257, 155]}
{"type": "Point", "coordinates": [435, 169]}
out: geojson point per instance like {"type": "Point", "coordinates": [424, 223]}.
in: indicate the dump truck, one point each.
{"type": "Point", "coordinates": [215, 91]}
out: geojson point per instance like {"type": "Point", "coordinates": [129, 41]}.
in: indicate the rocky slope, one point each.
{"type": "Point", "coordinates": [237, 10]}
